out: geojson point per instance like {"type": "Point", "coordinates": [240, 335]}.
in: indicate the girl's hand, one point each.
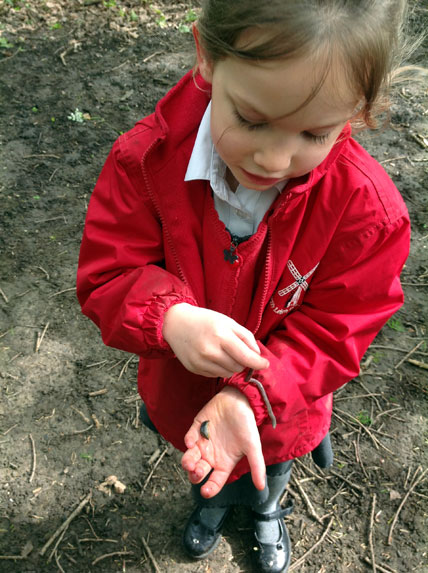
{"type": "Point", "coordinates": [233, 434]}
{"type": "Point", "coordinates": [210, 343]}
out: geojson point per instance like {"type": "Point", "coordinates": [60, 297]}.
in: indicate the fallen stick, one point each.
{"type": "Point", "coordinates": [26, 550]}
{"type": "Point", "coordinates": [40, 337]}
{"type": "Point", "coordinates": [412, 487]}
{"type": "Point", "coordinates": [4, 296]}
{"type": "Point", "coordinates": [98, 392]}
{"type": "Point", "coordinates": [349, 482]}
{"type": "Point", "coordinates": [309, 470]}
{"type": "Point", "coordinates": [382, 568]}
{"type": "Point", "coordinates": [58, 563]}
{"type": "Point", "coordinates": [375, 441]}
{"type": "Point", "coordinates": [101, 557]}
{"type": "Point", "coordinates": [66, 523]}
{"type": "Point", "coordinates": [149, 477]}
{"type": "Point", "coordinates": [150, 555]}
{"type": "Point", "coordinates": [418, 363]}
{"type": "Point", "coordinates": [33, 448]}
{"type": "Point", "coordinates": [371, 526]}
{"type": "Point", "coordinates": [301, 559]}
{"type": "Point", "coordinates": [307, 501]}
{"type": "Point", "coordinates": [408, 355]}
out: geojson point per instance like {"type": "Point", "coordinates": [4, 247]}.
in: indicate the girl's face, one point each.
{"type": "Point", "coordinates": [259, 124]}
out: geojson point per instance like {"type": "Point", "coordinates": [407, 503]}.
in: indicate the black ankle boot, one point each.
{"type": "Point", "coordinates": [199, 540]}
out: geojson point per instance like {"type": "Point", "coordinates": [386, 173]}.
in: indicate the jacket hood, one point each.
{"type": "Point", "coordinates": [183, 107]}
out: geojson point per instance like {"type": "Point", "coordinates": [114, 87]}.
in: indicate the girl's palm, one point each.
{"type": "Point", "coordinates": [233, 434]}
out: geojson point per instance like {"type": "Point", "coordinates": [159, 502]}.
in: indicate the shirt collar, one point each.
{"type": "Point", "coordinates": [205, 163]}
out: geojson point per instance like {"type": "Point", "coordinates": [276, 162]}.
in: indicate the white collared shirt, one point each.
{"type": "Point", "coordinates": [241, 211]}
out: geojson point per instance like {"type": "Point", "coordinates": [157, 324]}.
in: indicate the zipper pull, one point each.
{"type": "Point", "coordinates": [229, 255]}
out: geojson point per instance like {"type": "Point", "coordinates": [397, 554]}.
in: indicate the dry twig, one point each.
{"type": "Point", "coordinates": [380, 567]}
{"type": "Point", "coordinates": [98, 392]}
{"type": "Point", "coordinates": [66, 523]}
{"type": "Point", "coordinates": [412, 487]}
{"type": "Point", "coordinates": [4, 296]}
{"type": "Point", "coordinates": [125, 367]}
{"type": "Point", "coordinates": [375, 441]}
{"type": "Point", "coordinates": [418, 363]}
{"type": "Point", "coordinates": [150, 555]}
{"type": "Point", "coordinates": [307, 501]}
{"type": "Point", "coordinates": [407, 356]}
{"type": "Point", "coordinates": [349, 482]}
{"type": "Point", "coordinates": [40, 337]}
{"type": "Point", "coordinates": [85, 418]}
{"type": "Point", "coordinates": [358, 456]}
{"type": "Point", "coordinates": [62, 292]}
{"type": "Point", "coordinates": [26, 550]}
{"type": "Point", "coordinates": [101, 557]}
{"type": "Point", "coordinates": [371, 526]}
{"type": "Point", "coordinates": [33, 449]}
{"type": "Point", "coordinates": [301, 559]}
{"type": "Point", "coordinates": [149, 477]}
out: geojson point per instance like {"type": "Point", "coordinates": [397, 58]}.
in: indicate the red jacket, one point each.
{"type": "Point", "coordinates": [315, 283]}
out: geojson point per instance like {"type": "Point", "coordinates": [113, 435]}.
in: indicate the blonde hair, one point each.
{"type": "Point", "coordinates": [365, 37]}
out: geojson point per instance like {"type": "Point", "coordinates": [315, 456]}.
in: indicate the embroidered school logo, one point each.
{"type": "Point", "coordinates": [299, 286]}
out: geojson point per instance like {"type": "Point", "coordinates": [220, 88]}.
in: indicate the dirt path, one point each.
{"type": "Point", "coordinates": [73, 76]}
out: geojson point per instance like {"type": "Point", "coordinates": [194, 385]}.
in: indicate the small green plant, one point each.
{"type": "Point", "coordinates": [133, 16]}
{"type": "Point", "coordinates": [35, 109]}
{"type": "Point", "coordinates": [109, 3]}
{"type": "Point", "coordinates": [190, 17]}
{"type": "Point", "coordinates": [56, 26]}
{"type": "Point", "coordinates": [86, 456]}
{"type": "Point", "coordinates": [76, 116]}
{"type": "Point", "coordinates": [4, 43]}
{"type": "Point", "coordinates": [364, 418]}
{"type": "Point", "coordinates": [377, 356]}
{"type": "Point", "coordinates": [16, 4]}
{"type": "Point", "coordinates": [161, 19]}
{"type": "Point", "coordinates": [396, 324]}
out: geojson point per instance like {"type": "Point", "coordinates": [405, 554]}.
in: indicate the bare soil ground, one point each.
{"type": "Point", "coordinates": [74, 74]}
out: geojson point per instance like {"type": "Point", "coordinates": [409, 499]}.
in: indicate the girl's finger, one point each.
{"type": "Point", "coordinates": [192, 435]}
{"type": "Point", "coordinates": [214, 484]}
{"type": "Point", "coordinates": [202, 469]}
{"type": "Point", "coordinates": [243, 355]}
{"type": "Point", "coordinates": [257, 466]}
{"type": "Point", "coordinates": [248, 337]}
{"type": "Point", "coordinates": [190, 459]}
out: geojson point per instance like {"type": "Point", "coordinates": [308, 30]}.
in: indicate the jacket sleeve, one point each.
{"type": "Point", "coordinates": [122, 284]}
{"type": "Point", "coordinates": [318, 347]}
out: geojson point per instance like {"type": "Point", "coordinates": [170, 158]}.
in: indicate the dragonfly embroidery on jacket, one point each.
{"type": "Point", "coordinates": [299, 286]}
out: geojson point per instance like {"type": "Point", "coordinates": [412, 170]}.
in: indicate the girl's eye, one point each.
{"type": "Point", "coordinates": [246, 123]}
{"type": "Point", "coordinates": [316, 138]}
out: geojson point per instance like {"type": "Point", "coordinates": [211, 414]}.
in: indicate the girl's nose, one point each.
{"type": "Point", "coordinates": [274, 159]}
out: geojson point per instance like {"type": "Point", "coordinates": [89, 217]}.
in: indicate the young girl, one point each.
{"type": "Point", "coordinates": [249, 250]}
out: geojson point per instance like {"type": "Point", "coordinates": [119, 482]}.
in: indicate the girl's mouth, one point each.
{"type": "Point", "coordinates": [261, 180]}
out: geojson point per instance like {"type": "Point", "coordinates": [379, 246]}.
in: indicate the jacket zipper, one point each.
{"type": "Point", "coordinates": [266, 283]}
{"type": "Point", "coordinates": [159, 213]}
{"type": "Point", "coordinates": [229, 254]}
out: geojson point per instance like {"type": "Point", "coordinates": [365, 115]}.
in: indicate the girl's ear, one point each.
{"type": "Point", "coordinates": [205, 65]}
